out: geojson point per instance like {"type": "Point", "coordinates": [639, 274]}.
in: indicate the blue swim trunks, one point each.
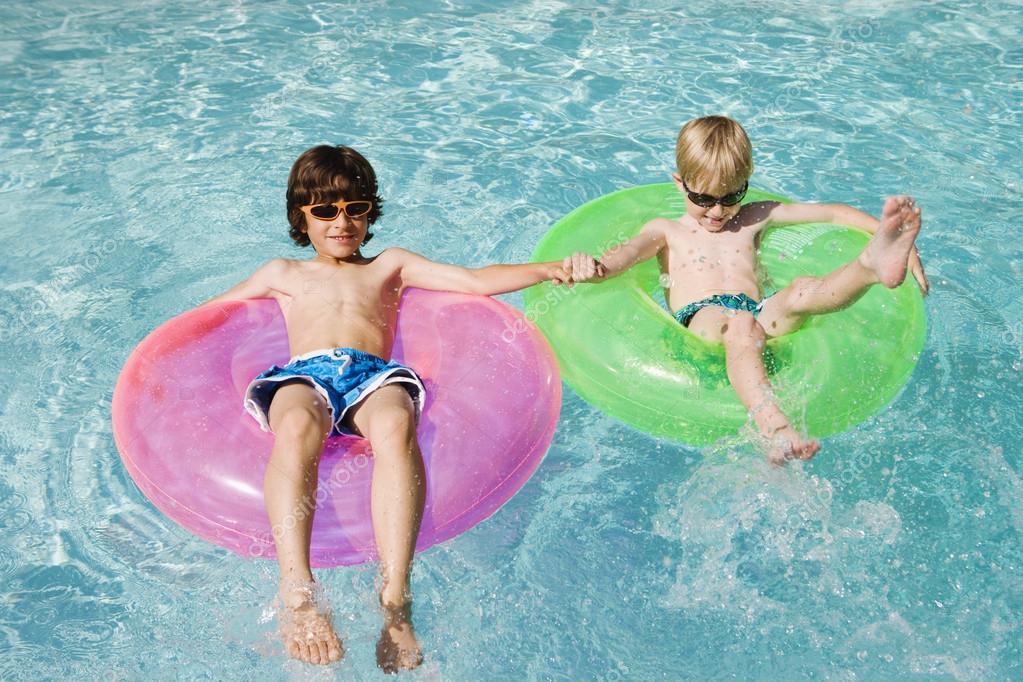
{"type": "Point", "coordinates": [343, 376]}
{"type": "Point", "coordinates": [731, 301]}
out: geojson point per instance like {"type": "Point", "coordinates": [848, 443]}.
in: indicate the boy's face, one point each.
{"type": "Point", "coordinates": [339, 237]}
{"type": "Point", "coordinates": [712, 218]}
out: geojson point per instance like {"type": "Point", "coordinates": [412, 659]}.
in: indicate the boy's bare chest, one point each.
{"type": "Point", "coordinates": [363, 286]}
{"type": "Point", "coordinates": [697, 249]}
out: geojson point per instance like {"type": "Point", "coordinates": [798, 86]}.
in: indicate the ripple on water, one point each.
{"type": "Point", "coordinates": [9, 561]}
{"type": "Point", "coordinates": [61, 608]}
{"type": "Point", "coordinates": [11, 181]}
{"type": "Point", "coordinates": [14, 518]}
{"type": "Point", "coordinates": [154, 127]}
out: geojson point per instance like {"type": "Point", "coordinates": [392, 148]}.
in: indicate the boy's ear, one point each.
{"type": "Point", "coordinates": [678, 181]}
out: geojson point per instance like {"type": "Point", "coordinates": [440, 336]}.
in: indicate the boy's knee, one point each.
{"type": "Point", "coordinates": [395, 420]}
{"type": "Point", "coordinates": [742, 329]}
{"type": "Point", "coordinates": [300, 423]}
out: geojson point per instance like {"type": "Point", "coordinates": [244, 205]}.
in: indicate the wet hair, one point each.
{"type": "Point", "coordinates": [327, 173]}
{"type": "Point", "coordinates": [714, 150]}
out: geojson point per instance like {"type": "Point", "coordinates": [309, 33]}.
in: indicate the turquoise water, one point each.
{"type": "Point", "coordinates": [145, 153]}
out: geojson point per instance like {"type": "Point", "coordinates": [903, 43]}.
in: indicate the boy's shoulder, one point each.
{"type": "Point", "coordinates": [660, 226]}
{"type": "Point", "coordinates": [393, 252]}
{"type": "Point", "coordinates": [280, 266]}
{"type": "Point", "coordinates": [755, 215]}
{"type": "Point", "coordinates": [396, 255]}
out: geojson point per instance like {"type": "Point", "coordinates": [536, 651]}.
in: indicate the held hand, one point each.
{"type": "Point", "coordinates": [582, 267]}
{"type": "Point", "coordinates": [917, 268]}
{"type": "Point", "coordinates": [560, 274]}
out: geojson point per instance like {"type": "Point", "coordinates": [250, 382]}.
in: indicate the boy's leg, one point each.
{"type": "Point", "coordinates": [744, 339]}
{"type": "Point", "coordinates": [387, 419]}
{"type": "Point", "coordinates": [300, 422]}
{"type": "Point", "coordinates": [882, 261]}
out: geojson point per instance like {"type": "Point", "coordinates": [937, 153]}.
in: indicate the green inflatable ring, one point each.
{"type": "Point", "coordinates": [621, 350]}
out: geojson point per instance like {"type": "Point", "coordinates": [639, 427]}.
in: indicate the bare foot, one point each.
{"type": "Point", "coordinates": [398, 649]}
{"type": "Point", "coordinates": [887, 254]}
{"type": "Point", "coordinates": [306, 626]}
{"type": "Point", "coordinates": [782, 442]}
{"type": "Point", "coordinates": [786, 444]}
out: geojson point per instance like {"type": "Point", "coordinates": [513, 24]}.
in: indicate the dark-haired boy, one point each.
{"type": "Point", "coordinates": [340, 309]}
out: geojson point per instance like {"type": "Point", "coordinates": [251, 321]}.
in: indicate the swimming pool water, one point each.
{"type": "Point", "coordinates": [145, 153]}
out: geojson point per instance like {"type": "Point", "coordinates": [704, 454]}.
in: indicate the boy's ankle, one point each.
{"type": "Point", "coordinates": [394, 598]}
{"type": "Point", "coordinates": [396, 614]}
{"type": "Point", "coordinates": [769, 418]}
{"type": "Point", "coordinates": [293, 592]}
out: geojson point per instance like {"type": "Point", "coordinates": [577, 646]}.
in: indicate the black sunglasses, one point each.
{"type": "Point", "coordinates": [708, 201]}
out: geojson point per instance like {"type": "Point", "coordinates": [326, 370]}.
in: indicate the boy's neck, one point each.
{"type": "Point", "coordinates": [355, 259]}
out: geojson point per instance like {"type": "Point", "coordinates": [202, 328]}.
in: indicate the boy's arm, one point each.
{"type": "Point", "coordinates": [260, 284]}
{"type": "Point", "coordinates": [621, 257]}
{"type": "Point", "coordinates": [417, 271]}
{"type": "Point", "coordinates": [787, 214]}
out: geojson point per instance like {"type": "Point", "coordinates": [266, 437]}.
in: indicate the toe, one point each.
{"type": "Point", "coordinates": [321, 653]}
{"type": "Point", "coordinates": [325, 651]}
{"type": "Point", "coordinates": [412, 659]}
{"type": "Point", "coordinates": [891, 206]}
{"type": "Point", "coordinates": [385, 655]}
{"type": "Point", "coordinates": [914, 216]}
{"type": "Point", "coordinates": [810, 449]}
{"type": "Point", "coordinates": [386, 664]}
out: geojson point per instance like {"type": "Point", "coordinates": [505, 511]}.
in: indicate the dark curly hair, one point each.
{"type": "Point", "coordinates": [327, 173]}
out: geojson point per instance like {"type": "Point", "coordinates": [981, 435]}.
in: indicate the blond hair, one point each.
{"type": "Point", "coordinates": [714, 153]}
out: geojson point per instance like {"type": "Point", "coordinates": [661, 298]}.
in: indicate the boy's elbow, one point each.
{"type": "Point", "coordinates": [841, 213]}
{"type": "Point", "coordinates": [475, 282]}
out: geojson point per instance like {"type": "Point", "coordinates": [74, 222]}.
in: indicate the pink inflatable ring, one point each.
{"type": "Point", "coordinates": [491, 407]}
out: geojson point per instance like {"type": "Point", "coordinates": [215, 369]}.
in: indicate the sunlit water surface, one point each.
{"type": "Point", "coordinates": [145, 153]}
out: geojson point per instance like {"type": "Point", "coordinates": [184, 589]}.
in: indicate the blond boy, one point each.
{"type": "Point", "coordinates": [709, 257]}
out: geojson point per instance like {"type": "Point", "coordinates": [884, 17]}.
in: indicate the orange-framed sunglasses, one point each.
{"type": "Point", "coordinates": [352, 209]}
